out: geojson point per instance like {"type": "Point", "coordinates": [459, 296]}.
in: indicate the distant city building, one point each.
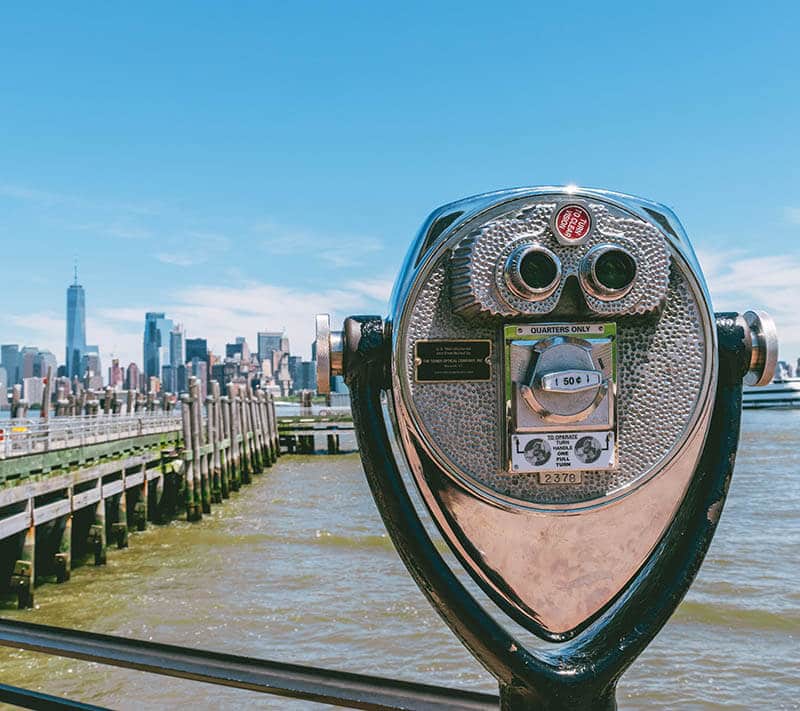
{"type": "Point", "coordinates": [44, 362]}
{"type": "Point", "coordinates": [76, 328]}
{"type": "Point", "coordinates": [32, 390]}
{"type": "Point", "coordinates": [199, 369]}
{"type": "Point", "coordinates": [196, 348]}
{"type": "Point", "coordinates": [116, 376]}
{"type": "Point", "coordinates": [177, 357]}
{"type": "Point", "coordinates": [92, 369]}
{"type": "Point", "coordinates": [3, 388]}
{"type": "Point", "coordinates": [156, 343]}
{"type": "Point", "coordinates": [27, 360]}
{"type": "Point", "coordinates": [168, 378]}
{"type": "Point", "coordinates": [238, 349]}
{"type": "Point", "coordinates": [9, 359]}
{"type": "Point", "coordinates": [132, 377]}
{"type": "Point", "coordinates": [181, 380]}
{"type": "Point", "coordinates": [267, 342]}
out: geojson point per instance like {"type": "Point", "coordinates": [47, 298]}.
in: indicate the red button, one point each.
{"type": "Point", "coordinates": [572, 222]}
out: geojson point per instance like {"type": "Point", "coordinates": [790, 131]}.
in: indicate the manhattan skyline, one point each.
{"type": "Point", "coordinates": [234, 175]}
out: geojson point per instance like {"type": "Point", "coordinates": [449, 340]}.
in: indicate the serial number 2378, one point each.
{"type": "Point", "coordinates": [559, 477]}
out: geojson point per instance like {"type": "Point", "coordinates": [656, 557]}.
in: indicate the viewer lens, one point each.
{"type": "Point", "coordinates": [538, 270]}
{"type": "Point", "coordinates": [607, 272]}
{"type": "Point", "coordinates": [615, 269]}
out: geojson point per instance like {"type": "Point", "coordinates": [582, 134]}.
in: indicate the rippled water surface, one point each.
{"type": "Point", "coordinates": [297, 567]}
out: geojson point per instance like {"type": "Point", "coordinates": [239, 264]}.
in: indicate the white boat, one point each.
{"type": "Point", "coordinates": [781, 392]}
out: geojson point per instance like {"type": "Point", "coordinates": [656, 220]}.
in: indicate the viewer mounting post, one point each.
{"type": "Point", "coordinates": [567, 404]}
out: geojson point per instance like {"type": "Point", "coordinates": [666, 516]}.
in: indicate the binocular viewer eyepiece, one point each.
{"type": "Point", "coordinates": [567, 404]}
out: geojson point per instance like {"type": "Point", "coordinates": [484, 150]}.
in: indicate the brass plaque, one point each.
{"type": "Point", "coordinates": [443, 361]}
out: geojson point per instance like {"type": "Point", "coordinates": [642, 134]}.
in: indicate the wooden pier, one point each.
{"type": "Point", "coordinates": [71, 485]}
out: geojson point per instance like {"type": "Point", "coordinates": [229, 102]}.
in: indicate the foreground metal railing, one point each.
{"type": "Point", "coordinates": [23, 436]}
{"type": "Point", "coordinates": [289, 680]}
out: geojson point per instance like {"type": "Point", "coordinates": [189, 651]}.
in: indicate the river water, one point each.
{"type": "Point", "coordinates": [297, 567]}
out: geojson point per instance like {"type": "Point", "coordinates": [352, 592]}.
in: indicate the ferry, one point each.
{"type": "Point", "coordinates": [781, 392]}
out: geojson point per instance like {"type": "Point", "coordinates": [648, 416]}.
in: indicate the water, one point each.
{"type": "Point", "coordinates": [298, 568]}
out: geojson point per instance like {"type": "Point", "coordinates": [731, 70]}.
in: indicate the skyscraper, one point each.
{"type": "Point", "coordinates": [177, 350]}
{"type": "Point", "coordinates": [9, 359]}
{"type": "Point", "coordinates": [196, 348]}
{"type": "Point", "coordinates": [76, 328]}
{"type": "Point", "coordinates": [43, 362]}
{"type": "Point", "coordinates": [177, 357]}
{"type": "Point", "coordinates": [267, 342]}
{"type": "Point", "coordinates": [156, 343]}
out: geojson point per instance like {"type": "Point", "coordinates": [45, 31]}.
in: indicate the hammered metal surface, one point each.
{"type": "Point", "coordinates": [660, 378]}
{"type": "Point", "coordinates": [478, 278]}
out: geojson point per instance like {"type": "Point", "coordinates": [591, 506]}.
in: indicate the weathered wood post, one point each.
{"type": "Point", "coordinates": [255, 426]}
{"type": "Point", "coordinates": [247, 466]}
{"type": "Point", "coordinates": [23, 578]}
{"type": "Point", "coordinates": [194, 511]}
{"type": "Point", "coordinates": [62, 561]}
{"type": "Point", "coordinates": [130, 402]}
{"type": "Point", "coordinates": [107, 401]}
{"type": "Point", "coordinates": [333, 444]}
{"type": "Point", "coordinates": [119, 528]}
{"type": "Point", "coordinates": [213, 442]}
{"type": "Point", "coordinates": [247, 403]}
{"type": "Point", "coordinates": [234, 460]}
{"type": "Point", "coordinates": [97, 531]}
{"type": "Point", "coordinates": [44, 413]}
{"type": "Point", "coordinates": [200, 457]}
{"type": "Point", "coordinates": [16, 401]}
{"type": "Point", "coordinates": [141, 505]}
{"type": "Point", "coordinates": [221, 456]}
{"type": "Point", "coordinates": [276, 442]}
{"type": "Point", "coordinates": [262, 428]}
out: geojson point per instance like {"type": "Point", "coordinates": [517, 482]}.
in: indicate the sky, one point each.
{"type": "Point", "coordinates": [242, 166]}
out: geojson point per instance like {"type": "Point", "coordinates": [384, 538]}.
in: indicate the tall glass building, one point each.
{"type": "Point", "coordinates": [76, 328]}
{"type": "Point", "coordinates": [156, 343]}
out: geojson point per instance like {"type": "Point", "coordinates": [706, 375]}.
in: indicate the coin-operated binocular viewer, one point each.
{"type": "Point", "coordinates": [568, 405]}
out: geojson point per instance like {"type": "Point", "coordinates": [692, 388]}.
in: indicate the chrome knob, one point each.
{"type": "Point", "coordinates": [330, 350]}
{"type": "Point", "coordinates": [761, 339]}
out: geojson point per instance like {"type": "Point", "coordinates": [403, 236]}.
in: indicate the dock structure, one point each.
{"type": "Point", "coordinates": [72, 484]}
{"type": "Point", "coordinates": [298, 433]}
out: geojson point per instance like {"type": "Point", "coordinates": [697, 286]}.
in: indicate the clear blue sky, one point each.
{"type": "Point", "coordinates": [243, 165]}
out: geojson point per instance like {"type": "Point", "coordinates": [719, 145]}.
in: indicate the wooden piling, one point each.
{"type": "Point", "coordinates": [247, 465]}
{"type": "Point", "coordinates": [233, 432]}
{"type": "Point", "coordinates": [62, 561]}
{"type": "Point", "coordinates": [44, 413]}
{"type": "Point", "coordinates": [222, 436]}
{"type": "Point", "coordinates": [213, 441]}
{"type": "Point", "coordinates": [276, 444]}
{"type": "Point", "coordinates": [227, 428]}
{"type": "Point", "coordinates": [119, 529]}
{"type": "Point", "coordinates": [194, 511]}
{"type": "Point", "coordinates": [141, 500]}
{"type": "Point", "coordinates": [23, 578]}
{"type": "Point", "coordinates": [97, 531]}
{"type": "Point", "coordinates": [200, 459]}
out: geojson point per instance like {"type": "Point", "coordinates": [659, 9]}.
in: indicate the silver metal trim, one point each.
{"type": "Point", "coordinates": [513, 274]}
{"type": "Point", "coordinates": [588, 275]}
{"type": "Point", "coordinates": [763, 348]}
{"type": "Point", "coordinates": [323, 342]}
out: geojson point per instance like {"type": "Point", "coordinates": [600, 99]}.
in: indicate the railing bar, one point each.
{"type": "Point", "coordinates": [28, 699]}
{"type": "Point", "coordinates": [290, 680]}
